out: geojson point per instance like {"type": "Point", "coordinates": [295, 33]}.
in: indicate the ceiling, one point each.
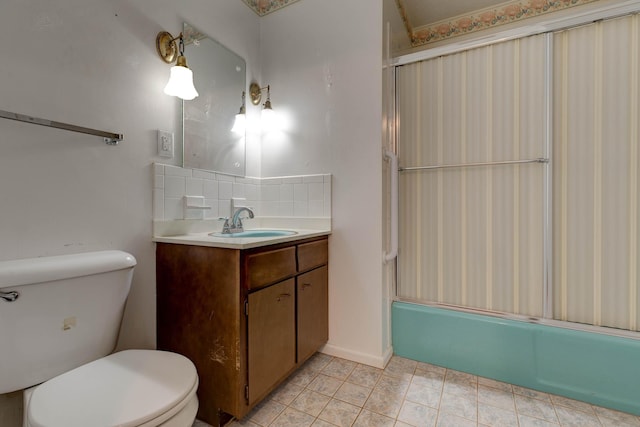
{"type": "Point", "coordinates": [429, 21]}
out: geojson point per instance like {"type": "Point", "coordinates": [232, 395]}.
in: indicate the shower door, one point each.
{"type": "Point", "coordinates": [519, 182]}
{"type": "Point", "coordinates": [470, 139]}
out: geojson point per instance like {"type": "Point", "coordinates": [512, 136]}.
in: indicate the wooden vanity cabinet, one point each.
{"type": "Point", "coordinates": [246, 318]}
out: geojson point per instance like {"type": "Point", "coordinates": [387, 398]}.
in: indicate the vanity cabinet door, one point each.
{"type": "Point", "coordinates": [271, 336]}
{"type": "Point", "coordinates": [313, 311]}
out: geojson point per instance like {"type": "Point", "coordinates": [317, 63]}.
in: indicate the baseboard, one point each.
{"type": "Point", "coordinates": [356, 356]}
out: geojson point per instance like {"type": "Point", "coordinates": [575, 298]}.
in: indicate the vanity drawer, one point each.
{"type": "Point", "coordinates": [264, 268]}
{"type": "Point", "coordinates": [313, 254]}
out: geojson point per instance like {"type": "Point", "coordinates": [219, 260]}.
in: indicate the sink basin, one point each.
{"type": "Point", "coordinates": [256, 233]}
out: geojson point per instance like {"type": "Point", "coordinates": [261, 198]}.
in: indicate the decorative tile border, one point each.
{"type": "Point", "coordinates": [482, 19]}
{"type": "Point", "coordinates": [263, 7]}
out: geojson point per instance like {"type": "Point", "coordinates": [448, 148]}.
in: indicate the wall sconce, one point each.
{"type": "Point", "coordinates": [239, 125]}
{"type": "Point", "coordinates": [180, 82]}
{"type": "Point", "coordinates": [255, 92]}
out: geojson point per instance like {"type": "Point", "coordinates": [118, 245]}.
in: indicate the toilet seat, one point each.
{"type": "Point", "coordinates": [127, 389]}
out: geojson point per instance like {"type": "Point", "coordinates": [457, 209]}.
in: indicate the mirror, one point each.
{"type": "Point", "coordinates": [219, 76]}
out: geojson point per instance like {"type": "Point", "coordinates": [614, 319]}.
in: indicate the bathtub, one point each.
{"type": "Point", "coordinates": [594, 367]}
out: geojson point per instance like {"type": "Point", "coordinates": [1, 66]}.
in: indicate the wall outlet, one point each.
{"type": "Point", "coordinates": [165, 144]}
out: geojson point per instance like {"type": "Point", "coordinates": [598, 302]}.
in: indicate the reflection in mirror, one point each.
{"type": "Point", "coordinates": [219, 76]}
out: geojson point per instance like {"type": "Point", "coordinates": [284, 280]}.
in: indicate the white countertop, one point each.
{"type": "Point", "coordinates": [196, 232]}
{"type": "Point", "coordinates": [204, 239]}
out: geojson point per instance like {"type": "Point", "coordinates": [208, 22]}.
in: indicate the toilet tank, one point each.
{"type": "Point", "coordinates": [68, 313]}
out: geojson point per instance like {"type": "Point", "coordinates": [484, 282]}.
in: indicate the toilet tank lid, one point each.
{"type": "Point", "coordinates": [124, 389]}
{"type": "Point", "coordinates": [46, 269]}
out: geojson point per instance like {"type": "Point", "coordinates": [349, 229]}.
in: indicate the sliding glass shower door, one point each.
{"type": "Point", "coordinates": [504, 210]}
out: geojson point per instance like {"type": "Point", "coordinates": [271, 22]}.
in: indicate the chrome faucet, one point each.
{"type": "Point", "coordinates": [236, 222]}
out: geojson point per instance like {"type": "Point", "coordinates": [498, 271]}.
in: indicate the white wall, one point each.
{"type": "Point", "coordinates": [323, 60]}
{"type": "Point", "coordinates": [93, 63]}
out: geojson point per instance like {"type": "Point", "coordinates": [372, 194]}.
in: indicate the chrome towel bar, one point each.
{"type": "Point", "coordinates": [109, 137]}
{"type": "Point", "coordinates": [464, 165]}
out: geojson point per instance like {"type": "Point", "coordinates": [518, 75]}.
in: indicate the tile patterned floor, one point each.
{"type": "Point", "coordinates": [329, 392]}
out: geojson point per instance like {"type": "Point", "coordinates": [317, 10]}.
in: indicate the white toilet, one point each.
{"type": "Point", "coordinates": [59, 322]}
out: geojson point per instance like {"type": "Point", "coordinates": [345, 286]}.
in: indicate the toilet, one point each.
{"type": "Point", "coordinates": [59, 323]}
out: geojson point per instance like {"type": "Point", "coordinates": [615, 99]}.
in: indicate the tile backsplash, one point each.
{"type": "Point", "coordinates": [305, 196]}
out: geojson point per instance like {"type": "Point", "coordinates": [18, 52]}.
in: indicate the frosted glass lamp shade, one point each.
{"type": "Point", "coordinates": [239, 125]}
{"type": "Point", "coordinates": [180, 83]}
{"type": "Point", "coordinates": [268, 120]}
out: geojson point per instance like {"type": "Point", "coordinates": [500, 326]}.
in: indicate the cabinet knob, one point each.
{"type": "Point", "coordinates": [304, 286]}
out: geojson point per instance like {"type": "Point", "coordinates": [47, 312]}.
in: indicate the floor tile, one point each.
{"type": "Point", "coordinates": [286, 393]}
{"type": "Point", "coordinates": [496, 417]}
{"type": "Point", "coordinates": [417, 415]}
{"type": "Point", "coordinates": [393, 384]}
{"type": "Point", "coordinates": [450, 420]}
{"type": "Point", "coordinates": [322, 423]}
{"type": "Point", "coordinates": [488, 382]}
{"type": "Point", "coordinates": [399, 367]}
{"type": "Point", "coordinates": [310, 402]}
{"type": "Point", "coordinates": [421, 366]}
{"type": "Point", "coordinates": [609, 417]}
{"type": "Point", "coordinates": [339, 368]}
{"type": "Point", "coordinates": [292, 418]}
{"type": "Point", "coordinates": [318, 362]}
{"type": "Point", "coordinates": [352, 393]}
{"type": "Point", "coordinates": [325, 385]}
{"type": "Point", "coordinates": [340, 413]}
{"type": "Point", "coordinates": [459, 405]}
{"type": "Point", "coordinates": [370, 419]}
{"type": "Point", "coordinates": [366, 376]}
{"type": "Point", "coordinates": [535, 394]}
{"type": "Point", "coordinates": [303, 376]}
{"type": "Point", "coordinates": [460, 383]}
{"type": "Point", "coordinates": [495, 397]}
{"type": "Point", "coordinates": [536, 408]}
{"type": "Point", "coordinates": [526, 421]}
{"type": "Point", "coordinates": [333, 392]}
{"type": "Point", "coordinates": [571, 418]}
{"type": "Point", "coordinates": [266, 412]}
{"type": "Point", "coordinates": [607, 422]}
{"type": "Point", "coordinates": [424, 395]}
{"type": "Point", "coordinates": [429, 379]}
{"type": "Point", "coordinates": [573, 404]}
{"type": "Point", "coordinates": [385, 403]}
{"type": "Point", "coordinates": [235, 423]}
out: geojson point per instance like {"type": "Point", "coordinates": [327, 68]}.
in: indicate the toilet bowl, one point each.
{"type": "Point", "coordinates": [59, 323]}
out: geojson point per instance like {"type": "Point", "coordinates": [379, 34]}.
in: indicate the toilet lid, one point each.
{"type": "Point", "coordinates": [123, 389]}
